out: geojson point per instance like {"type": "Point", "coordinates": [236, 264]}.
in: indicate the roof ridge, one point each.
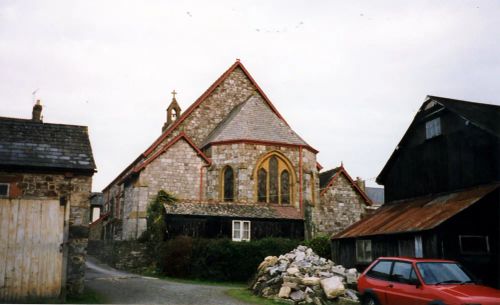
{"type": "Point", "coordinates": [21, 120]}
{"type": "Point", "coordinates": [463, 101]}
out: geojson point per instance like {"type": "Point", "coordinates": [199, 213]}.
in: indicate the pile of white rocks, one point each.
{"type": "Point", "coordinates": [302, 277]}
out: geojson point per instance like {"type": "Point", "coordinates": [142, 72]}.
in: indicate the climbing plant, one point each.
{"type": "Point", "coordinates": [156, 227]}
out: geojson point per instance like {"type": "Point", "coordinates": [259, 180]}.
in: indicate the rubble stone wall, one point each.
{"type": "Point", "coordinates": [123, 255]}
{"type": "Point", "coordinates": [76, 189]}
{"type": "Point", "coordinates": [234, 90]}
{"type": "Point", "coordinates": [243, 158]}
{"type": "Point", "coordinates": [176, 171]}
{"type": "Point", "coordinates": [341, 205]}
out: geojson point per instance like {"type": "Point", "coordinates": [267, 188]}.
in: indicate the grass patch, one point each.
{"type": "Point", "coordinates": [245, 295]}
{"type": "Point", "coordinates": [88, 297]}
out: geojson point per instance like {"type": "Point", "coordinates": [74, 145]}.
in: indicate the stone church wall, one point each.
{"type": "Point", "coordinates": [177, 171]}
{"type": "Point", "coordinates": [234, 90]}
{"type": "Point", "coordinates": [134, 210]}
{"type": "Point", "coordinates": [341, 205]}
{"type": "Point", "coordinates": [243, 158]}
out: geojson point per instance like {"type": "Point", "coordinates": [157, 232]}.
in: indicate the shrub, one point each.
{"type": "Point", "coordinates": [220, 259]}
{"type": "Point", "coordinates": [176, 256]}
{"type": "Point", "coordinates": [320, 245]}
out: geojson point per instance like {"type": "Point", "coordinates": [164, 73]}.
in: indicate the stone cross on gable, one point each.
{"type": "Point", "coordinates": [173, 94]}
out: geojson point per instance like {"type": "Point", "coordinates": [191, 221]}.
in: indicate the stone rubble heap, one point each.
{"type": "Point", "coordinates": [302, 277]}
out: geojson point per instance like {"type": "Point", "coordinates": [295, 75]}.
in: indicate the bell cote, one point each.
{"type": "Point", "coordinates": [173, 112]}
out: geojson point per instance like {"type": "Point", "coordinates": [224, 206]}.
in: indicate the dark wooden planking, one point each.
{"type": "Point", "coordinates": [221, 227]}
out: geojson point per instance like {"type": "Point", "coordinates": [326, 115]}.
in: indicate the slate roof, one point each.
{"type": "Point", "coordinates": [376, 194]}
{"type": "Point", "coordinates": [485, 116]}
{"type": "Point", "coordinates": [253, 120]}
{"type": "Point", "coordinates": [416, 214]}
{"type": "Point", "coordinates": [326, 176]}
{"type": "Point", "coordinates": [266, 211]}
{"type": "Point", "coordinates": [40, 145]}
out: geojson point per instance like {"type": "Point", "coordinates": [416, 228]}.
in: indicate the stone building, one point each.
{"type": "Point", "coordinates": [234, 164]}
{"type": "Point", "coordinates": [342, 197]}
{"type": "Point", "coordinates": [45, 181]}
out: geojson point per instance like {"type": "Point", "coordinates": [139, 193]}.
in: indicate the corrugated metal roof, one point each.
{"type": "Point", "coordinates": [417, 214]}
{"type": "Point", "coordinates": [234, 210]}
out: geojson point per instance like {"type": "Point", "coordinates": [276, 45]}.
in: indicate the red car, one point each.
{"type": "Point", "coordinates": [418, 281]}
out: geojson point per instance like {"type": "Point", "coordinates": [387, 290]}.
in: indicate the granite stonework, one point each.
{"type": "Point", "coordinates": [340, 206]}
{"type": "Point", "coordinates": [234, 90]}
{"type": "Point", "coordinates": [123, 255]}
{"type": "Point", "coordinates": [244, 158]}
{"type": "Point", "coordinates": [75, 191]}
{"type": "Point", "coordinates": [232, 109]}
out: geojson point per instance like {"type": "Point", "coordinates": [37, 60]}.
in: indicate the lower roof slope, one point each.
{"type": "Point", "coordinates": [418, 214]}
{"type": "Point", "coordinates": [221, 209]}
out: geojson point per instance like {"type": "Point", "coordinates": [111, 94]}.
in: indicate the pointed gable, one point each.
{"type": "Point", "coordinates": [232, 88]}
{"type": "Point", "coordinates": [253, 120]}
{"type": "Point", "coordinates": [327, 178]}
{"type": "Point", "coordinates": [484, 116]}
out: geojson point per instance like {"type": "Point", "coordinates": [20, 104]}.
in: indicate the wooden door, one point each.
{"type": "Point", "coordinates": [31, 235]}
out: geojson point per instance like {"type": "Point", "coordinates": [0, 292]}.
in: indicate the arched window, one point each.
{"type": "Point", "coordinates": [274, 180]}
{"type": "Point", "coordinates": [262, 185]}
{"type": "Point", "coordinates": [285, 187]}
{"type": "Point", "coordinates": [228, 184]}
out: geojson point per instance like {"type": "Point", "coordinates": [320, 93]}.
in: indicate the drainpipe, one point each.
{"type": "Point", "coordinates": [300, 179]}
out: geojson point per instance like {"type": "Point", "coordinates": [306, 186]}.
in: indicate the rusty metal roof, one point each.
{"type": "Point", "coordinates": [418, 214]}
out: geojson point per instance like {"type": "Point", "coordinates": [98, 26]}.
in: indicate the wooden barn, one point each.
{"type": "Point", "coordinates": [45, 180]}
{"type": "Point", "coordinates": [442, 193]}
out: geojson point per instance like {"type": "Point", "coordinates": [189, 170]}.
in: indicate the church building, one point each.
{"type": "Point", "coordinates": [236, 167]}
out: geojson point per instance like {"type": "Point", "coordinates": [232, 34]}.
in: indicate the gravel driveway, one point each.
{"type": "Point", "coordinates": [126, 288]}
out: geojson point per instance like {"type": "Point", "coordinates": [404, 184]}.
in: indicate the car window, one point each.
{"type": "Point", "coordinates": [381, 270]}
{"type": "Point", "coordinates": [402, 272]}
{"type": "Point", "coordinates": [443, 273]}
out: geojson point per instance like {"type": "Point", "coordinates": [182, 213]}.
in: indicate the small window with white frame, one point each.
{"type": "Point", "coordinates": [364, 251]}
{"type": "Point", "coordinates": [433, 128]}
{"type": "Point", "coordinates": [4, 189]}
{"type": "Point", "coordinates": [241, 230]}
{"type": "Point", "coordinates": [474, 244]}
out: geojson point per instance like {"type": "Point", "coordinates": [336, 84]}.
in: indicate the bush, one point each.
{"type": "Point", "coordinates": [219, 259]}
{"type": "Point", "coordinates": [176, 258]}
{"type": "Point", "coordinates": [320, 245]}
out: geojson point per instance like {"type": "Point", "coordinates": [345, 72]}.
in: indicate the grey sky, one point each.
{"type": "Point", "coordinates": [348, 76]}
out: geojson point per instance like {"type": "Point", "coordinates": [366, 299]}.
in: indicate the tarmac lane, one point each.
{"type": "Point", "coordinates": [118, 287]}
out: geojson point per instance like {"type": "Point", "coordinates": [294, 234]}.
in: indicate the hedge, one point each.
{"type": "Point", "coordinates": [221, 259]}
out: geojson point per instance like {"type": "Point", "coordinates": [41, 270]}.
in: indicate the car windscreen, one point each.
{"type": "Point", "coordinates": [435, 273]}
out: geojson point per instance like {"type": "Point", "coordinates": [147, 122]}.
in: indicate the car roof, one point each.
{"type": "Point", "coordinates": [415, 259]}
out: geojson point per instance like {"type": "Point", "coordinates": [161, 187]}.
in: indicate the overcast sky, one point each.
{"type": "Point", "coordinates": [348, 76]}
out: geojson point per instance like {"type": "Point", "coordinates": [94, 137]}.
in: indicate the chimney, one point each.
{"type": "Point", "coordinates": [37, 112]}
{"type": "Point", "coordinates": [361, 183]}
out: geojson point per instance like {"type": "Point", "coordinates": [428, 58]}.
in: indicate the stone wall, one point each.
{"type": "Point", "coordinates": [123, 255]}
{"type": "Point", "coordinates": [341, 205]}
{"type": "Point", "coordinates": [177, 171]}
{"type": "Point", "coordinates": [243, 158]}
{"type": "Point", "coordinates": [75, 190]}
{"type": "Point", "coordinates": [234, 90]}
